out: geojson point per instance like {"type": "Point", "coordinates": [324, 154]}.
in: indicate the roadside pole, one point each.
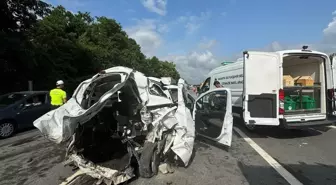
{"type": "Point", "coordinates": [30, 85]}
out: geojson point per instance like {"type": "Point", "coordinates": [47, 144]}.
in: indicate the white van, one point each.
{"type": "Point", "coordinates": [259, 96]}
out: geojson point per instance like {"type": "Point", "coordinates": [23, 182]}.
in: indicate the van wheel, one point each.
{"type": "Point", "coordinates": [7, 129]}
{"type": "Point", "coordinates": [250, 127]}
{"type": "Point", "coordinates": [149, 160]}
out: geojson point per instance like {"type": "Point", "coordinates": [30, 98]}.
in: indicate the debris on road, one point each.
{"type": "Point", "coordinates": [166, 168]}
{"type": "Point", "coordinates": [121, 123]}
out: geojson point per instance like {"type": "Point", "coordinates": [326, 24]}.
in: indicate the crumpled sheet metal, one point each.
{"type": "Point", "coordinates": [185, 131]}
{"type": "Point", "coordinates": [107, 175]}
{"type": "Point", "coordinates": [180, 117]}
{"type": "Point", "coordinates": [59, 125]}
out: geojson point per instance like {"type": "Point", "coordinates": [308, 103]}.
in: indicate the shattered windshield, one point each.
{"type": "Point", "coordinates": [9, 99]}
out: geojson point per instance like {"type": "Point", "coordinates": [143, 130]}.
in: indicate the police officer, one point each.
{"type": "Point", "coordinates": [58, 95]}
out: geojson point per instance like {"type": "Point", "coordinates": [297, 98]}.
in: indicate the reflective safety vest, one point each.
{"type": "Point", "coordinates": [57, 96]}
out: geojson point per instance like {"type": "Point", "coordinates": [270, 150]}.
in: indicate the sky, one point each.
{"type": "Point", "coordinates": [197, 35]}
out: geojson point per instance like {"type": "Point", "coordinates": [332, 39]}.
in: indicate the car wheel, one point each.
{"type": "Point", "coordinates": [149, 160]}
{"type": "Point", "coordinates": [7, 129]}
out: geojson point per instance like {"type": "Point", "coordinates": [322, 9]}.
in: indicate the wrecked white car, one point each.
{"type": "Point", "coordinates": [120, 124]}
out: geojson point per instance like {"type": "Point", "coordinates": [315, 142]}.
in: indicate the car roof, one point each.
{"type": "Point", "coordinates": [29, 92]}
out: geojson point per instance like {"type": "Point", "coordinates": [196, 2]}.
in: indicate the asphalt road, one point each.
{"type": "Point", "coordinates": [307, 154]}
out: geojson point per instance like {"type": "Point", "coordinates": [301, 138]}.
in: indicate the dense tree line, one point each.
{"type": "Point", "coordinates": [42, 43]}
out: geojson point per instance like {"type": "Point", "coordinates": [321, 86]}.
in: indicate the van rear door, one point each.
{"type": "Point", "coordinates": [261, 88]}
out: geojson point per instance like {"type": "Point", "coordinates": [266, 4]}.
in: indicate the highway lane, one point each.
{"type": "Point", "coordinates": [36, 161]}
{"type": "Point", "coordinates": [309, 154]}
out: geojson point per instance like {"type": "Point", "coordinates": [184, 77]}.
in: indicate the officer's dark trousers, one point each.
{"type": "Point", "coordinates": [53, 107]}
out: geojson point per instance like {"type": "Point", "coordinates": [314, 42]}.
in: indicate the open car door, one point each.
{"type": "Point", "coordinates": [212, 114]}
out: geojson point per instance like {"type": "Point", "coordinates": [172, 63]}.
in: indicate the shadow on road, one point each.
{"type": "Point", "coordinates": [202, 141]}
{"type": "Point", "coordinates": [307, 174]}
{"type": "Point", "coordinates": [280, 133]}
{"type": "Point", "coordinates": [25, 130]}
{"type": "Point", "coordinates": [20, 132]}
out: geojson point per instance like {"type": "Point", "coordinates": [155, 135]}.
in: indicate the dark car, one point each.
{"type": "Point", "coordinates": [18, 110]}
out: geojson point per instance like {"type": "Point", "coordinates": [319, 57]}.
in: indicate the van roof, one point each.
{"type": "Point", "coordinates": [301, 51]}
{"type": "Point", "coordinates": [279, 52]}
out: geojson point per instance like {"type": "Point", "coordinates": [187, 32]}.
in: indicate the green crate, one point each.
{"type": "Point", "coordinates": [289, 103]}
{"type": "Point", "coordinates": [307, 102]}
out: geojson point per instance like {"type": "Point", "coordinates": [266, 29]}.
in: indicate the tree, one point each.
{"type": "Point", "coordinates": [17, 18]}
{"type": "Point", "coordinates": [56, 44]}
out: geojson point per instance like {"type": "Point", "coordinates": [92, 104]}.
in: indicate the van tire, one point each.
{"type": "Point", "coordinates": [250, 128]}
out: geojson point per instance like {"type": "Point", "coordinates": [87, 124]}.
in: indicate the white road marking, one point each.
{"type": "Point", "coordinates": [72, 178]}
{"type": "Point", "coordinates": [280, 169]}
{"type": "Point", "coordinates": [332, 126]}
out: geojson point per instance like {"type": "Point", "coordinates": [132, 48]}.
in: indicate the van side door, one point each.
{"type": "Point", "coordinates": [212, 114]}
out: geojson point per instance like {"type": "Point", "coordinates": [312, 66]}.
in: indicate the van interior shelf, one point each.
{"type": "Point", "coordinates": [302, 87]}
{"type": "Point", "coordinates": [302, 99]}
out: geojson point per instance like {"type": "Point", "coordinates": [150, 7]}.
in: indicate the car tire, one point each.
{"type": "Point", "coordinates": [149, 160]}
{"type": "Point", "coordinates": [7, 129]}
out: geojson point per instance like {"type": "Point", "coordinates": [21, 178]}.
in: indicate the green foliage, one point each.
{"type": "Point", "coordinates": [51, 43]}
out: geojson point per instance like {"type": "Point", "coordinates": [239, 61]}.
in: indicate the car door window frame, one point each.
{"type": "Point", "coordinates": [226, 133]}
{"type": "Point", "coordinates": [209, 96]}
{"type": "Point", "coordinates": [203, 88]}
{"type": "Point", "coordinates": [42, 100]}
